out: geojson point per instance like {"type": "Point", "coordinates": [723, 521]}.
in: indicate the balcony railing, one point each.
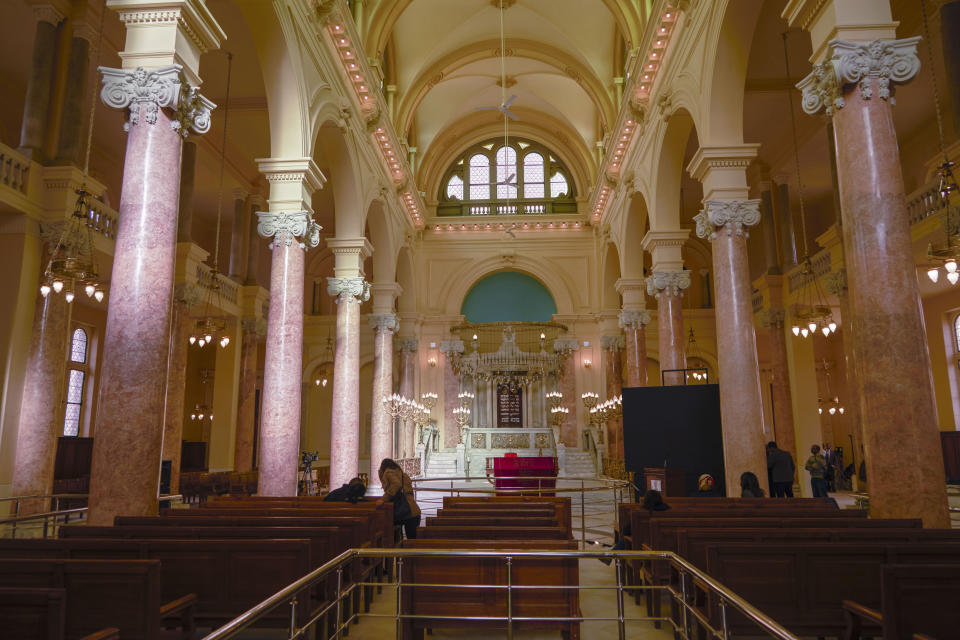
{"type": "Point", "coordinates": [511, 208]}
{"type": "Point", "coordinates": [14, 170]}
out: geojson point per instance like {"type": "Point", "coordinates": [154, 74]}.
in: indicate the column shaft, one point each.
{"type": "Point", "coordinates": [37, 99]}
{"type": "Point", "coordinates": [40, 416]}
{"type": "Point", "coordinates": [129, 431]}
{"type": "Point", "coordinates": [69, 146]}
{"type": "Point", "coordinates": [889, 346]}
{"type": "Point", "coordinates": [781, 399]}
{"type": "Point", "coordinates": [381, 436]}
{"type": "Point", "coordinates": [672, 342]}
{"type": "Point", "coordinates": [280, 424]}
{"type": "Point", "coordinates": [345, 427]}
{"type": "Point", "coordinates": [408, 363]}
{"type": "Point", "coordinates": [176, 390]}
{"type": "Point", "coordinates": [246, 415]}
{"type": "Point", "coordinates": [614, 387]}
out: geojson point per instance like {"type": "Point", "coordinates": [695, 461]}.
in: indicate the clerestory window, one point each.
{"type": "Point", "coordinates": [520, 178]}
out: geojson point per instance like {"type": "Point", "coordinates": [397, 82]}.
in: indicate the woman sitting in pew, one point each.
{"type": "Point", "coordinates": [398, 489]}
{"type": "Point", "coordinates": [750, 486]}
{"type": "Point", "coordinates": [652, 501]}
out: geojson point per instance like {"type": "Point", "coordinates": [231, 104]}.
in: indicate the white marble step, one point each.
{"type": "Point", "coordinates": [442, 465]}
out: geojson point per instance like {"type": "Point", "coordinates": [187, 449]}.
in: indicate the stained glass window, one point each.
{"type": "Point", "coordinates": [479, 177]}
{"type": "Point", "coordinates": [533, 176]}
{"type": "Point", "coordinates": [455, 188]}
{"type": "Point", "coordinates": [71, 419]}
{"type": "Point", "coordinates": [506, 173]}
{"type": "Point", "coordinates": [558, 186]}
{"type": "Point", "coordinates": [78, 346]}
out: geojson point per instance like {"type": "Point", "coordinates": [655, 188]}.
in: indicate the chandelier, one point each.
{"type": "Point", "coordinates": [943, 258]}
{"type": "Point", "coordinates": [201, 412]}
{"type": "Point", "coordinates": [323, 378]}
{"type": "Point", "coordinates": [73, 264]}
{"type": "Point", "coordinates": [693, 353]}
{"type": "Point", "coordinates": [811, 313]}
{"type": "Point", "coordinates": [211, 326]}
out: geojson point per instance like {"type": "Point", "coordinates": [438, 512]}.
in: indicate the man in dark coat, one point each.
{"type": "Point", "coordinates": [781, 468]}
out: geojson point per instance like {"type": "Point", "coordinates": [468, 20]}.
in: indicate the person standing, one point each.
{"type": "Point", "coordinates": [817, 466]}
{"type": "Point", "coordinates": [398, 489]}
{"type": "Point", "coordinates": [781, 468]}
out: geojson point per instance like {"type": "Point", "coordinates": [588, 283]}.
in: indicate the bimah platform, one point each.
{"type": "Point", "coordinates": [525, 472]}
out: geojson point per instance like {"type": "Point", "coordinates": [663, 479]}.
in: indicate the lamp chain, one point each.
{"type": "Point", "coordinates": [796, 148]}
{"type": "Point", "coordinates": [93, 91]}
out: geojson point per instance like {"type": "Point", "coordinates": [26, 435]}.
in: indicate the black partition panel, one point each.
{"type": "Point", "coordinates": [675, 427]}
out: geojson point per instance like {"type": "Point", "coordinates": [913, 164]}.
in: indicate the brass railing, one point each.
{"type": "Point", "coordinates": [49, 519]}
{"type": "Point", "coordinates": [687, 620]}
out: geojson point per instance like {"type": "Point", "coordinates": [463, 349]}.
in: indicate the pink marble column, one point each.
{"type": "Point", "coordinates": [279, 450]}
{"type": "Point", "coordinates": [613, 378]}
{"type": "Point", "coordinates": [246, 409]}
{"type": "Point", "coordinates": [408, 372]}
{"type": "Point", "coordinates": [886, 327]}
{"type": "Point", "coordinates": [381, 422]}
{"type": "Point", "coordinates": [634, 323]}
{"type": "Point", "coordinates": [129, 429]}
{"type": "Point", "coordinates": [773, 321]}
{"type": "Point", "coordinates": [176, 383]}
{"type": "Point", "coordinates": [724, 222]}
{"type": "Point", "coordinates": [451, 388]}
{"type": "Point", "coordinates": [667, 287]}
{"type": "Point", "coordinates": [345, 427]}
{"type": "Point", "coordinates": [567, 385]}
{"type": "Point", "coordinates": [41, 418]}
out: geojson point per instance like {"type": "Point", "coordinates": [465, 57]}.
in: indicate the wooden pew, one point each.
{"type": "Point", "coordinates": [494, 533]}
{"type": "Point", "coordinates": [562, 504]}
{"type": "Point", "coordinates": [100, 594]}
{"type": "Point", "coordinates": [228, 576]}
{"type": "Point", "coordinates": [31, 613]}
{"type": "Point", "coordinates": [915, 599]}
{"type": "Point", "coordinates": [440, 601]}
{"type": "Point", "coordinates": [490, 521]}
{"type": "Point", "coordinates": [802, 585]}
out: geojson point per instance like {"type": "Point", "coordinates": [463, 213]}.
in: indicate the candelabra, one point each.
{"type": "Point", "coordinates": [589, 400]}
{"type": "Point", "coordinates": [429, 401]}
{"type": "Point", "coordinates": [554, 397]}
{"type": "Point", "coordinates": [399, 406]}
{"type": "Point", "coordinates": [462, 416]}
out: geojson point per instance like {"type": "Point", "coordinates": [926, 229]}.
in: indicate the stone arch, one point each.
{"type": "Point", "coordinates": [610, 268]}
{"type": "Point", "coordinates": [527, 299]}
{"type": "Point", "coordinates": [669, 171]}
{"type": "Point", "coordinates": [723, 95]}
{"type": "Point", "coordinates": [337, 159]}
{"type": "Point", "coordinates": [407, 302]}
{"type": "Point", "coordinates": [455, 289]}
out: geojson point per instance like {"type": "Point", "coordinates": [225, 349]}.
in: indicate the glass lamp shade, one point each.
{"type": "Point", "coordinates": [193, 339]}
{"type": "Point", "coordinates": [826, 331]}
{"type": "Point", "coordinates": [933, 274]}
{"type": "Point", "coordinates": [812, 326]}
{"type": "Point", "coordinates": [953, 276]}
{"type": "Point", "coordinates": [819, 410]}
{"type": "Point", "coordinates": [89, 290]}
{"type": "Point", "coordinates": [44, 289]}
{"type": "Point", "coordinates": [841, 410]}
{"type": "Point", "coordinates": [804, 332]}
{"type": "Point", "coordinates": [796, 330]}
{"type": "Point", "coordinates": [950, 266]}
{"type": "Point", "coordinates": [57, 286]}
{"type": "Point", "coordinates": [323, 382]}
{"type": "Point", "coordinates": [833, 326]}
{"type": "Point", "coordinates": [98, 295]}
{"type": "Point", "coordinates": [68, 296]}
{"type": "Point", "coordinates": [832, 410]}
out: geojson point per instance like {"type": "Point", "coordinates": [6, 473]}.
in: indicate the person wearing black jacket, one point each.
{"type": "Point", "coordinates": [351, 492]}
{"type": "Point", "coordinates": [781, 468]}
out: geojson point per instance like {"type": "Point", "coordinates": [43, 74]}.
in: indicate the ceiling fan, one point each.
{"type": "Point", "coordinates": [504, 108]}
{"type": "Point", "coordinates": [510, 181]}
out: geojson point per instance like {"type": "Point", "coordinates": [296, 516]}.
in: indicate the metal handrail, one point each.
{"type": "Point", "coordinates": [287, 595]}
{"type": "Point", "coordinates": [46, 495]}
{"type": "Point", "coordinates": [48, 515]}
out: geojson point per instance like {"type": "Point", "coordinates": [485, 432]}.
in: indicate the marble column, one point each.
{"type": "Point", "coordinates": [772, 320]}
{"type": "Point", "coordinates": [279, 450]}
{"type": "Point", "coordinates": [188, 169]}
{"type": "Point", "coordinates": [345, 419]}
{"type": "Point", "coordinates": [137, 336]}
{"type": "Point", "coordinates": [634, 323]}
{"type": "Point", "coordinates": [184, 296]}
{"type": "Point", "coordinates": [40, 410]}
{"type": "Point", "coordinates": [613, 381]}
{"type": "Point", "coordinates": [381, 422]}
{"type": "Point", "coordinates": [667, 287]}
{"type": "Point", "coordinates": [886, 327]}
{"type": "Point", "coordinates": [253, 329]}
{"type": "Point", "coordinates": [452, 349]}
{"type": "Point", "coordinates": [239, 238]}
{"type": "Point", "coordinates": [724, 223]}
{"type": "Point", "coordinates": [37, 100]}
{"type": "Point", "coordinates": [75, 109]}
{"type": "Point", "coordinates": [408, 373]}
{"type": "Point", "coordinates": [567, 385]}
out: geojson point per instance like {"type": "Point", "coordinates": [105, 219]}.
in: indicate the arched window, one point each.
{"type": "Point", "coordinates": [956, 332]}
{"type": "Point", "coordinates": [76, 379]}
{"type": "Point", "coordinates": [493, 178]}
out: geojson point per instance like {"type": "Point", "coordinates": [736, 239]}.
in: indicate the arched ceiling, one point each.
{"type": "Point", "coordinates": [444, 60]}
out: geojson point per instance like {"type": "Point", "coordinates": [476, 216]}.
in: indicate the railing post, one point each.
{"type": "Point", "coordinates": [583, 519]}
{"type": "Point", "coordinates": [293, 616]}
{"type": "Point", "coordinates": [399, 599]}
{"type": "Point", "coordinates": [723, 618]}
{"type": "Point", "coordinates": [683, 605]}
{"type": "Point", "coordinates": [339, 602]}
{"type": "Point", "coordinates": [509, 598]}
{"type": "Point", "coordinates": [620, 624]}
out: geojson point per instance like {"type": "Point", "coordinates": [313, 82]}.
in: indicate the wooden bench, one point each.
{"type": "Point", "coordinates": [802, 585]}
{"type": "Point", "coordinates": [32, 613]}
{"type": "Point", "coordinates": [490, 521]}
{"type": "Point", "coordinates": [561, 504]}
{"type": "Point", "coordinates": [102, 594]}
{"type": "Point", "coordinates": [914, 600]}
{"type": "Point", "coordinates": [441, 601]}
{"type": "Point", "coordinates": [494, 533]}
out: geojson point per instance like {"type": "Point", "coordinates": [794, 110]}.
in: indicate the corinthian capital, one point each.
{"type": "Point", "coordinates": [153, 89]}
{"type": "Point", "coordinates": [408, 345]}
{"type": "Point", "coordinates": [284, 226]}
{"type": "Point", "coordinates": [887, 61]}
{"type": "Point", "coordinates": [734, 216]}
{"type": "Point", "coordinates": [612, 343]}
{"type": "Point", "coordinates": [384, 322]}
{"type": "Point", "coordinates": [451, 346]}
{"type": "Point", "coordinates": [670, 283]}
{"type": "Point", "coordinates": [634, 319]}
{"type": "Point", "coordinates": [343, 288]}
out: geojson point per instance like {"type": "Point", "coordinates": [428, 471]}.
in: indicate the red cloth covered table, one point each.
{"type": "Point", "coordinates": [506, 470]}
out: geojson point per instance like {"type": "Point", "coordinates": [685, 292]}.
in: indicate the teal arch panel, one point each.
{"type": "Point", "coordinates": [508, 296]}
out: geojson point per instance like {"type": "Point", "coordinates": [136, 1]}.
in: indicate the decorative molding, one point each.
{"type": "Point", "coordinates": [284, 226]}
{"type": "Point", "coordinates": [734, 216]}
{"type": "Point", "coordinates": [164, 87]}
{"type": "Point", "coordinates": [384, 322]}
{"type": "Point", "coordinates": [292, 170]}
{"type": "Point", "coordinates": [86, 31]}
{"type": "Point", "coordinates": [654, 239]}
{"type": "Point", "coordinates": [835, 283]}
{"type": "Point", "coordinates": [451, 346]}
{"type": "Point", "coordinates": [188, 293]}
{"type": "Point", "coordinates": [887, 61]}
{"type": "Point", "coordinates": [634, 319]}
{"type": "Point", "coordinates": [343, 288]}
{"type": "Point", "coordinates": [192, 19]}
{"type": "Point", "coordinates": [407, 345]}
{"type": "Point", "coordinates": [566, 345]}
{"type": "Point", "coordinates": [509, 440]}
{"type": "Point", "coordinates": [47, 13]}
{"type": "Point", "coordinates": [669, 283]}
{"type": "Point", "coordinates": [612, 343]}
{"type": "Point", "coordinates": [774, 318]}
{"type": "Point", "coordinates": [707, 158]}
